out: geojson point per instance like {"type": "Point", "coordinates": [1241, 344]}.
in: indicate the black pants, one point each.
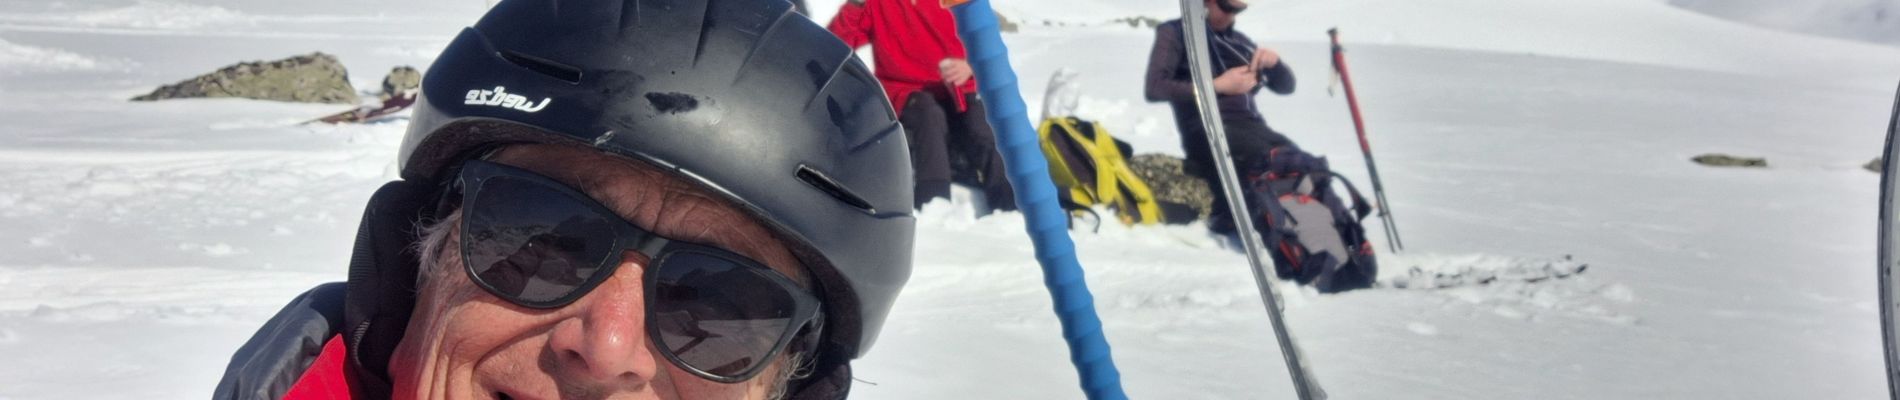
{"type": "Point", "coordinates": [1248, 141]}
{"type": "Point", "coordinates": [938, 134]}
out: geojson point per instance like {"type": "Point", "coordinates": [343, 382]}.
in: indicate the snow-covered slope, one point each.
{"type": "Point", "coordinates": [1875, 21]}
{"type": "Point", "coordinates": [1541, 143]}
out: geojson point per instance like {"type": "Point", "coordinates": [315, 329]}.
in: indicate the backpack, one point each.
{"type": "Point", "coordinates": [1090, 167]}
{"type": "Point", "coordinates": [1313, 237]}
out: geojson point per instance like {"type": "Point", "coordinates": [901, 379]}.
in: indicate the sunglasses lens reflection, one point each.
{"type": "Point", "coordinates": [536, 254]}
{"type": "Point", "coordinates": [718, 316]}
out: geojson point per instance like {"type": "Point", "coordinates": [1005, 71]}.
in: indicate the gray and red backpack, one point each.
{"type": "Point", "coordinates": [1313, 237]}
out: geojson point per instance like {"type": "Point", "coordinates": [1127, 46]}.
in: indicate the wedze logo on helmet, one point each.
{"type": "Point", "coordinates": [501, 98]}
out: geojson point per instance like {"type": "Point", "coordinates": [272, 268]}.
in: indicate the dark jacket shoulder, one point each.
{"type": "Point", "coordinates": [276, 356]}
{"type": "Point", "coordinates": [1171, 27]}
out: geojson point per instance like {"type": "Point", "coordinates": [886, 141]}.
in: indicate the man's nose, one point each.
{"type": "Point", "coordinates": [605, 341]}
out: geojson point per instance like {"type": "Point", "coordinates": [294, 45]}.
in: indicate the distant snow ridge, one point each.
{"type": "Point", "coordinates": [1876, 21]}
{"type": "Point", "coordinates": [153, 14]}
{"type": "Point", "coordinates": [23, 58]}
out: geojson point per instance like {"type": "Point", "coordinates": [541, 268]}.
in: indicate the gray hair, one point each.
{"type": "Point", "coordinates": [433, 241]}
{"type": "Point", "coordinates": [797, 366]}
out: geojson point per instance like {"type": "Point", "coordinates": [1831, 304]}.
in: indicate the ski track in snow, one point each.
{"type": "Point", "coordinates": [1517, 288]}
{"type": "Point", "coordinates": [235, 193]}
{"type": "Point", "coordinates": [99, 294]}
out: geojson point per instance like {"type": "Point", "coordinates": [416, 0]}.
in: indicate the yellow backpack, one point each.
{"type": "Point", "coordinates": [1090, 167]}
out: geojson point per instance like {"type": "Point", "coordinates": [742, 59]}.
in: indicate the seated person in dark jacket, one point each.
{"type": "Point", "coordinates": [1242, 69]}
{"type": "Point", "coordinates": [713, 219]}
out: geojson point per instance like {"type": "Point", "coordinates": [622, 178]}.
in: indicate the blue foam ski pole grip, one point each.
{"type": "Point", "coordinates": [1047, 222]}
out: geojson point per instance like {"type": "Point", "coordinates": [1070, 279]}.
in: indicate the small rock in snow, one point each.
{"type": "Point", "coordinates": [1725, 160]}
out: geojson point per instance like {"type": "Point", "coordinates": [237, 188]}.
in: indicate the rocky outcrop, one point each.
{"type": "Point", "coordinates": [1164, 175]}
{"type": "Point", "coordinates": [401, 80]}
{"type": "Point", "coordinates": [1139, 21]}
{"type": "Point", "coordinates": [1724, 160]}
{"type": "Point", "coordinates": [312, 78]}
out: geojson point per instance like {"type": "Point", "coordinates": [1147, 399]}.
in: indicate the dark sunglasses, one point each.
{"type": "Point", "coordinates": [541, 244]}
{"type": "Point", "coordinates": [1229, 7]}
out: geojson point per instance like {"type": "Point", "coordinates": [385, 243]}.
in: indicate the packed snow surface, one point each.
{"type": "Point", "coordinates": [1559, 243]}
{"type": "Point", "coordinates": [1876, 21]}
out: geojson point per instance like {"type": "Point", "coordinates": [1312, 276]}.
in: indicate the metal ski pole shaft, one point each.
{"type": "Point", "coordinates": [1194, 29]}
{"type": "Point", "coordinates": [1365, 146]}
{"type": "Point", "coordinates": [1889, 245]}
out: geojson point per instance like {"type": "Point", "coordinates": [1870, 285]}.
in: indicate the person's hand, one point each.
{"type": "Point", "coordinates": [955, 71]}
{"type": "Point", "coordinates": [1237, 80]}
{"type": "Point", "coordinates": [1264, 58]}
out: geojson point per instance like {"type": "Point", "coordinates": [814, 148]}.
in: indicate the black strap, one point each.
{"type": "Point", "coordinates": [1359, 207]}
{"type": "Point", "coordinates": [1069, 205]}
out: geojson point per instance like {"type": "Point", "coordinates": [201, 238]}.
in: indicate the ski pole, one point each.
{"type": "Point", "coordinates": [1358, 123]}
{"type": "Point", "coordinates": [1194, 27]}
{"type": "Point", "coordinates": [1047, 222]}
{"type": "Point", "coordinates": [1889, 251]}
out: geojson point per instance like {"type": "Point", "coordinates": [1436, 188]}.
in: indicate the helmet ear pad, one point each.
{"type": "Point", "coordinates": [381, 291]}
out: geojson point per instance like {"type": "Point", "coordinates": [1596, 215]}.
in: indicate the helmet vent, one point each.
{"type": "Point", "coordinates": [824, 183]}
{"type": "Point", "coordinates": [543, 66]}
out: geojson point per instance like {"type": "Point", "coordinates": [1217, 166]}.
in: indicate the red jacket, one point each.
{"type": "Point", "coordinates": [281, 361]}
{"type": "Point", "coordinates": [326, 378]}
{"type": "Point", "coordinates": [908, 38]}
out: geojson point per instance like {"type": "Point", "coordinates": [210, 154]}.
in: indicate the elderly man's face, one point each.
{"type": "Point", "coordinates": [463, 342]}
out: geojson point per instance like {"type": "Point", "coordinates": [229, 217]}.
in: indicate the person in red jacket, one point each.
{"type": "Point", "coordinates": [712, 219]}
{"type": "Point", "coordinates": [923, 67]}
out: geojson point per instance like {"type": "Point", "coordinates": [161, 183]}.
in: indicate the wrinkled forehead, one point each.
{"type": "Point", "coordinates": [656, 201]}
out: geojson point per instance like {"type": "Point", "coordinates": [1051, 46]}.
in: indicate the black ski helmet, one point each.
{"type": "Point", "coordinates": [745, 97]}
